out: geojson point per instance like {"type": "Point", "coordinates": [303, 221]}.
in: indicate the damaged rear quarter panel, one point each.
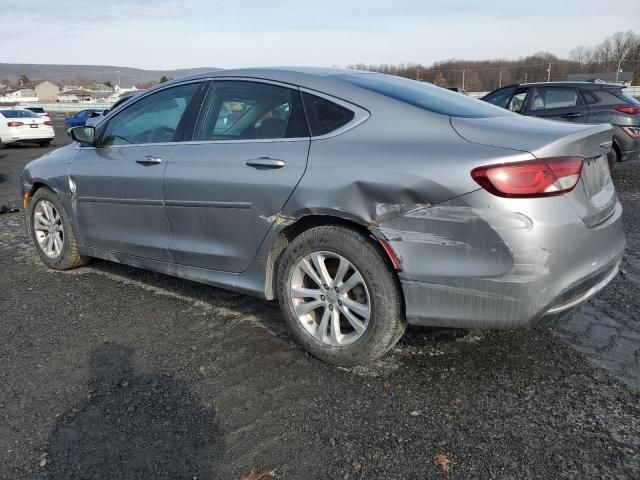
{"type": "Point", "coordinates": [400, 160]}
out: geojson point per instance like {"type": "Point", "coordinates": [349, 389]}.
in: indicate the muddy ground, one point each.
{"type": "Point", "coordinates": [109, 372]}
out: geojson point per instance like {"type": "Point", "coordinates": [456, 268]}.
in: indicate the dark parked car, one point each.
{"type": "Point", "coordinates": [94, 120]}
{"type": "Point", "coordinates": [579, 102]}
{"type": "Point", "coordinates": [361, 201]}
{"type": "Point", "coordinates": [457, 89]}
{"type": "Point", "coordinates": [80, 118]}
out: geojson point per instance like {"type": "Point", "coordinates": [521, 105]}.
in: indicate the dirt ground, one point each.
{"type": "Point", "coordinates": [109, 372]}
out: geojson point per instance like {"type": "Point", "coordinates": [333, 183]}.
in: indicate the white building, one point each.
{"type": "Point", "coordinates": [19, 95]}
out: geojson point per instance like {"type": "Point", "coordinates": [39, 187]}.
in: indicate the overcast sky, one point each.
{"type": "Point", "coordinates": [166, 34]}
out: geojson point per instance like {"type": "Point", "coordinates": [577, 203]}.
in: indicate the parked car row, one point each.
{"type": "Point", "coordinates": [579, 102]}
{"type": "Point", "coordinates": [361, 201]}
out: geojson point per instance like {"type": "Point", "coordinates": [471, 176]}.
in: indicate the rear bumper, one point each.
{"type": "Point", "coordinates": [629, 155]}
{"type": "Point", "coordinates": [31, 135]}
{"type": "Point", "coordinates": [629, 147]}
{"type": "Point", "coordinates": [486, 268]}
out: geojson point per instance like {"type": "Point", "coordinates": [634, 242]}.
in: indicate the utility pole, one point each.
{"type": "Point", "coordinates": [463, 71]}
{"type": "Point", "coordinates": [619, 64]}
{"type": "Point", "coordinates": [418, 74]}
{"type": "Point", "coordinates": [549, 74]}
{"type": "Point", "coordinates": [525, 76]}
{"type": "Point", "coordinates": [118, 72]}
{"type": "Point", "coordinates": [500, 81]}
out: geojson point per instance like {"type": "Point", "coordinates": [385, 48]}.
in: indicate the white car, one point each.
{"type": "Point", "coordinates": [22, 125]}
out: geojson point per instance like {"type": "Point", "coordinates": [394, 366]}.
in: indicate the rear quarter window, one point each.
{"type": "Point", "coordinates": [424, 95]}
{"type": "Point", "coordinates": [323, 115]}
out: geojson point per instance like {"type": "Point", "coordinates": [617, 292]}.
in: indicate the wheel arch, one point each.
{"type": "Point", "coordinates": [306, 222]}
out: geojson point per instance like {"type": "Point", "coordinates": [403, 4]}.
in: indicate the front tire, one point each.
{"type": "Point", "coordinates": [339, 296]}
{"type": "Point", "coordinates": [51, 232]}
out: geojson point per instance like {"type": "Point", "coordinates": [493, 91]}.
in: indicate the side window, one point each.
{"type": "Point", "coordinates": [154, 119]}
{"type": "Point", "coordinates": [548, 98]}
{"type": "Point", "coordinates": [588, 98]}
{"type": "Point", "coordinates": [517, 101]}
{"type": "Point", "coordinates": [500, 98]}
{"type": "Point", "coordinates": [324, 116]}
{"type": "Point", "coordinates": [238, 110]}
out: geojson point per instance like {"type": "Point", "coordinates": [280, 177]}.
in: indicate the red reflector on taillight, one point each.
{"type": "Point", "coordinates": [628, 109]}
{"type": "Point", "coordinates": [48, 122]}
{"type": "Point", "coordinates": [534, 178]}
{"type": "Point", "coordinates": [15, 124]}
{"type": "Point", "coordinates": [633, 132]}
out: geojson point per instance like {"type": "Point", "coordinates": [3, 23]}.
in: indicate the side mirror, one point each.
{"type": "Point", "coordinates": [86, 134]}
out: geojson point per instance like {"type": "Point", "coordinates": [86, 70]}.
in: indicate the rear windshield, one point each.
{"type": "Point", "coordinates": [18, 114]}
{"type": "Point", "coordinates": [626, 97]}
{"type": "Point", "coordinates": [36, 109]}
{"type": "Point", "coordinates": [424, 95]}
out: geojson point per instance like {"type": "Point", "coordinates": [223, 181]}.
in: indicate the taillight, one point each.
{"type": "Point", "coordinates": [15, 124]}
{"type": "Point", "coordinates": [533, 178]}
{"type": "Point", "coordinates": [633, 132]}
{"type": "Point", "coordinates": [628, 109]}
{"type": "Point", "coordinates": [48, 122]}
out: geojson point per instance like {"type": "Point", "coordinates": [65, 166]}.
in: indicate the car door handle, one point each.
{"type": "Point", "coordinates": [149, 160]}
{"type": "Point", "coordinates": [264, 163]}
{"type": "Point", "coordinates": [572, 115]}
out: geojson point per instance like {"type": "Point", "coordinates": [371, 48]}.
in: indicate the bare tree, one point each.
{"type": "Point", "coordinates": [621, 45]}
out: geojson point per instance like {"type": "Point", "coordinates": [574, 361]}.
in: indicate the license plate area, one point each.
{"type": "Point", "coordinates": [595, 175]}
{"type": "Point", "coordinates": [34, 126]}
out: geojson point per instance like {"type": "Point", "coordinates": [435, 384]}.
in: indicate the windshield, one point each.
{"type": "Point", "coordinates": [18, 114]}
{"type": "Point", "coordinates": [424, 95]}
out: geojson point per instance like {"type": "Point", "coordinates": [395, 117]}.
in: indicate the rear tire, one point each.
{"type": "Point", "coordinates": [367, 310]}
{"type": "Point", "coordinates": [615, 158]}
{"type": "Point", "coordinates": [44, 143]}
{"type": "Point", "coordinates": [45, 213]}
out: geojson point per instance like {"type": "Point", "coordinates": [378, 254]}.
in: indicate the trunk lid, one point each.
{"type": "Point", "coordinates": [593, 198]}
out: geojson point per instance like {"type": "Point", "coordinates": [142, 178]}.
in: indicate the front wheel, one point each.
{"type": "Point", "coordinates": [339, 296]}
{"type": "Point", "coordinates": [51, 232]}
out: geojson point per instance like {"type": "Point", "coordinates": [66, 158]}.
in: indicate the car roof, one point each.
{"type": "Point", "coordinates": [583, 85]}
{"type": "Point", "coordinates": [314, 78]}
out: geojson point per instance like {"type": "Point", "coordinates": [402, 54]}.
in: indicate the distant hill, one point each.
{"type": "Point", "coordinates": [73, 74]}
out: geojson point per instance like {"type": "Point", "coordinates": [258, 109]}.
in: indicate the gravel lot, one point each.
{"type": "Point", "coordinates": [112, 372]}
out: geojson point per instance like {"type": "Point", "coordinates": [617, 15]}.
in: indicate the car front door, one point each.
{"type": "Point", "coordinates": [558, 103]}
{"type": "Point", "coordinates": [225, 187]}
{"type": "Point", "coordinates": [117, 185]}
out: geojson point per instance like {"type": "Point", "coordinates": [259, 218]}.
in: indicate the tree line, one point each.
{"type": "Point", "coordinates": [619, 51]}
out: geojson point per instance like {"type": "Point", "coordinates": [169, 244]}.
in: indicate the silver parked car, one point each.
{"type": "Point", "coordinates": [361, 201]}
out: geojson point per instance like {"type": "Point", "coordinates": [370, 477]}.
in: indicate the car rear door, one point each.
{"type": "Point", "coordinates": [558, 103]}
{"type": "Point", "coordinates": [117, 186]}
{"type": "Point", "coordinates": [224, 188]}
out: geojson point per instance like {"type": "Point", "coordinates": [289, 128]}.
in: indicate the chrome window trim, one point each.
{"type": "Point", "coordinates": [360, 116]}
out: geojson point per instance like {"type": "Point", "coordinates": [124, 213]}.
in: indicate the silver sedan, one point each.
{"type": "Point", "coordinates": [362, 202]}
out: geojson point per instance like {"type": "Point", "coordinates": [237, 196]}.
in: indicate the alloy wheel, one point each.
{"type": "Point", "coordinates": [48, 228]}
{"type": "Point", "coordinates": [330, 298]}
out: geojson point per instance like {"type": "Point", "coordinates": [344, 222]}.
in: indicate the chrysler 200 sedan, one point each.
{"type": "Point", "coordinates": [361, 201]}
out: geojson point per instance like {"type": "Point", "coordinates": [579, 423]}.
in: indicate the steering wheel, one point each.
{"type": "Point", "coordinates": [161, 134]}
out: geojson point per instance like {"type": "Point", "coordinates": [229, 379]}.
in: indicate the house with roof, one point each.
{"type": "Point", "coordinates": [45, 91]}
{"type": "Point", "coordinates": [19, 95]}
